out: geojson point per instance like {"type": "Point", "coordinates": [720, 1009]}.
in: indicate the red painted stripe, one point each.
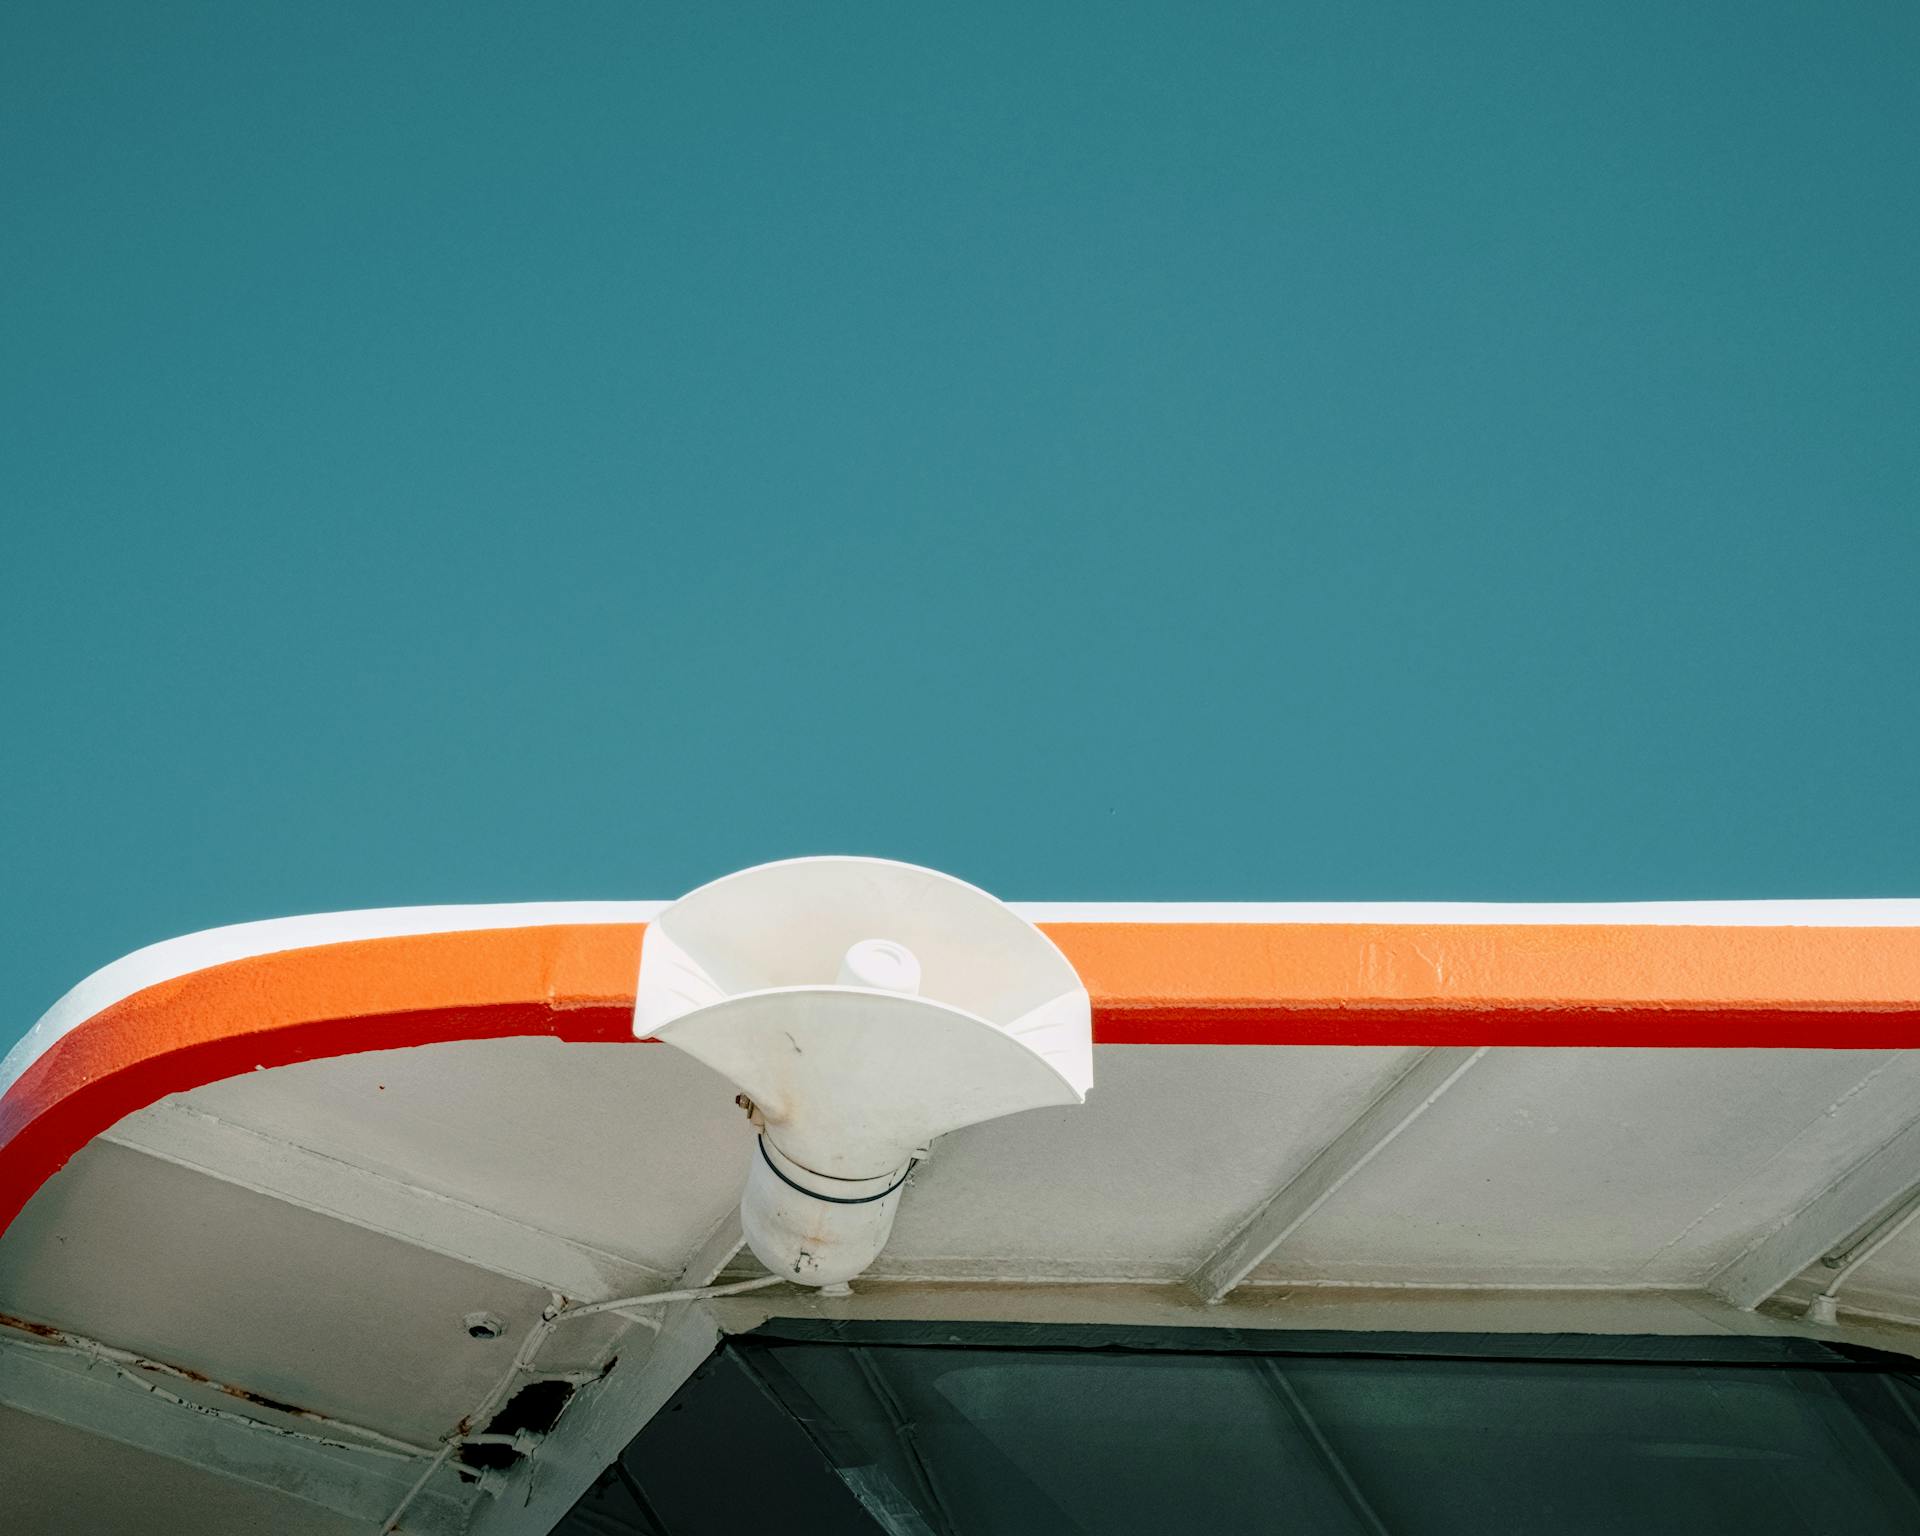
{"type": "Point", "coordinates": [1642, 1028]}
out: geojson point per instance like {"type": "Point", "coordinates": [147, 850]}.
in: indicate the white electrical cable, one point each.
{"type": "Point", "coordinates": [393, 1520]}
{"type": "Point", "coordinates": [699, 1293]}
{"type": "Point", "coordinates": [558, 1313]}
{"type": "Point", "coordinates": [1824, 1308]}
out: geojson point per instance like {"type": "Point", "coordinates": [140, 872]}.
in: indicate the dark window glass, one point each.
{"type": "Point", "coordinates": [921, 1439]}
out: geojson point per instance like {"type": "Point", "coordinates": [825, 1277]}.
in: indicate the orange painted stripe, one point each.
{"type": "Point", "coordinates": [1516, 984]}
{"type": "Point", "coordinates": [572, 982]}
{"type": "Point", "coordinates": [1151, 984]}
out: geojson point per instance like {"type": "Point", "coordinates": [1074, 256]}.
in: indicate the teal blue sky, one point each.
{"type": "Point", "coordinates": [481, 452]}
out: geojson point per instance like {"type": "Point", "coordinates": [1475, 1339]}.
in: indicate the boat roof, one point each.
{"type": "Point", "coordinates": [263, 1186]}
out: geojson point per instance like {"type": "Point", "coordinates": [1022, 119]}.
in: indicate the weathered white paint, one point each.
{"type": "Point", "coordinates": [60, 1385]}
{"type": "Point", "coordinates": [1408, 1097]}
{"type": "Point", "coordinates": [1854, 1199]}
{"type": "Point", "coordinates": [604, 1415]}
{"type": "Point", "coordinates": [1414, 1309]}
{"type": "Point", "coordinates": [235, 1154]}
{"type": "Point", "coordinates": [598, 1423]}
{"type": "Point", "coordinates": [715, 1251]}
{"type": "Point", "coordinates": [1584, 1166]}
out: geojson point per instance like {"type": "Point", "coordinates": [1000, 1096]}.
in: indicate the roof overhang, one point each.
{"type": "Point", "coordinates": [1639, 1118]}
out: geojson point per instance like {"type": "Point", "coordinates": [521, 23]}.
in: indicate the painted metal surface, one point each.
{"type": "Point", "coordinates": [335, 1187]}
{"type": "Point", "coordinates": [981, 1219]}
{"type": "Point", "coordinates": [457, 1122]}
{"type": "Point", "coordinates": [1405, 1099]}
{"type": "Point", "coordinates": [1151, 982]}
{"type": "Point", "coordinates": [635, 1387]}
{"type": "Point", "coordinates": [1874, 1185]}
{"type": "Point", "coordinates": [67, 1387]}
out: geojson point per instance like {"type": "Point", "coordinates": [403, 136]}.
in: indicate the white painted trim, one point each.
{"type": "Point", "coordinates": [1405, 1100]}
{"type": "Point", "coordinates": [59, 1386]}
{"type": "Point", "coordinates": [1891, 1312]}
{"type": "Point", "coordinates": [1340, 1308]}
{"type": "Point", "coordinates": [174, 958]}
{"type": "Point", "coordinates": [1283, 1287]}
{"type": "Point", "coordinates": [1873, 912]}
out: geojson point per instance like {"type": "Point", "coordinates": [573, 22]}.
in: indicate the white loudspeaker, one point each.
{"type": "Point", "coordinates": [863, 1007]}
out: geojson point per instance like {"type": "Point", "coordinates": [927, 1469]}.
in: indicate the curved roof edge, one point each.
{"type": "Point", "coordinates": [259, 995]}
{"type": "Point", "coordinates": [171, 958]}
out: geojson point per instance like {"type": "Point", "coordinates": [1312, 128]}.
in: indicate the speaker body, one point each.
{"type": "Point", "coordinates": [862, 1008]}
